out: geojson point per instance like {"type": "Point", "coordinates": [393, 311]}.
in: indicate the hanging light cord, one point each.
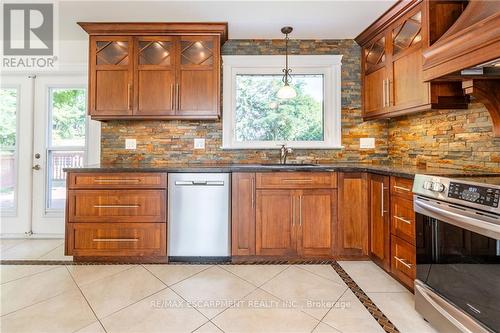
{"type": "Point", "coordinates": [286, 78]}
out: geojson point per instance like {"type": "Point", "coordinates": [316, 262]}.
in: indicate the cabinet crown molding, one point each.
{"type": "Point", "coordinates": [156, 28]}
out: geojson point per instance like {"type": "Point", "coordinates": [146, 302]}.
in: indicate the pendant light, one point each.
{"type": "Point", "coordinates": [286, 92]}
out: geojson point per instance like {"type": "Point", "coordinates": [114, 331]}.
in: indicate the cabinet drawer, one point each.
{"type": "Point", "coordinates": [403, 219]}
{"type": "Point", "coordinates": [403, 260]}
{"type": "Point", "coordinates": [296, 180]}
{"type": "Point", "coordinates": [117, 206]}
{"type": "Point", "coordinates": [402, 187]}
{"type": "Point", "coordinates": [116, 180]}
{"type": "Point", "coordinates": [116, 239]}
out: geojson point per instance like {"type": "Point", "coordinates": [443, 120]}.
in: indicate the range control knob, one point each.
{"type": "Point", "coordinates": [428, 185]}
{"type": "Point", "coordinates": [437, 187]}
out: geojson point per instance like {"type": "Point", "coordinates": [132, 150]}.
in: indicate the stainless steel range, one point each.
{"type": "Point", "coordinates": [458, 252]}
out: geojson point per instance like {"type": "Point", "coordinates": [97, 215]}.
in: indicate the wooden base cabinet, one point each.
{"type": "Point", "coordinates": [380, 228]}
{"type": "Point", "coordinates": [285, 214]}
{"type": "Point", "coordinates": [116, 217]}
{"type": "Point", "coordinates": [295, 222]}
{"type": "Point", "coordinates": [352, 226]}
{"type": "Point", "coordinates": [403, 231]}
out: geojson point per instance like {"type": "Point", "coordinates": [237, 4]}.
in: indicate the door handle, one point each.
{"type": "Point", "coordinates": [177, 96]}
{"type": "Point", "coordinates": [128, 96]}
{"type": "Point", "coordinates": [300, 210]}
{"type": "Point", "coordinates": [403, 261]}
{"type": "Point", "coordinates": [36, 167]}
{"type": "Point", "coordinates": [402, 219]}
{"type": "Point", "coordinates": [384, 95]}
{"type": "Point", "coordinates": [172, 96]}
{"type": "Point", "coordinates": [292, 200]}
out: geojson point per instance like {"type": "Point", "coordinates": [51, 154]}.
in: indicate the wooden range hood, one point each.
{"type": "Point", "coordinates": [472, 42]}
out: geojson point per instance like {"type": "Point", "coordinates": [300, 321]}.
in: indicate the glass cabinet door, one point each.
{"type": "Point", "coordinates": [374, 54]}
{"type": "Point", "coordinates": [199, 67]}
{"type": "Point", "coordinates": [407, 34]}
{"type": "Point", "coordinates": [155, 76]}
{"type": "Point", "coordinates": [111, 80]}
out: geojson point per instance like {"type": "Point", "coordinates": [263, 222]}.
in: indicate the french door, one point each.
{"type": "Point", "coordinates": [58, 134]}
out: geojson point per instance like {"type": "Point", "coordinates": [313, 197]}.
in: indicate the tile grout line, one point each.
{"type": "Point", "coordinates": [88, 303]}
{"type": "Point", "coordinates": [372, 308]}
{"type": "Point", "coordinates": [173, 284]}
{"type": "Point", "coordinates": [327, 312]}
{"type": "Point", "coordinates": [25, 276]}
{"type": "Point", "coordinates": [102, 278]}
{"type": "Point", "coordinates": [27, 306]}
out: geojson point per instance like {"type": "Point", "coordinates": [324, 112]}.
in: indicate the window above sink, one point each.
{"type": "Point", "coordinates": [255, 118]}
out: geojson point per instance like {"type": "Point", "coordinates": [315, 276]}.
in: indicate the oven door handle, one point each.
{"type": "Point", "coordinates": [447, 311]}
{"type": "Point", "coordinates": [460, 220]}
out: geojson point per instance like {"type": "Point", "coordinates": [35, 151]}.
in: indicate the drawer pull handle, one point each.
{"type": "Point", "coordinates": [103, 180]}
{"type": "Point", "coordinates": [115, 240]}
{"type": "Point", "coordinates": [402, 188]}
{"type": "Point", "coordinates": [402, 219]}
{"type": "Point", "coordinates": [298, 180]}
{"type": "Point", "coordinates": [403, 261]}
{"type": "Point", "coordinates": [117, 206]}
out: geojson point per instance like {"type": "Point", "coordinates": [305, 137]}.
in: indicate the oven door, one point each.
{"type": "Point", "coordinates": [458, 257]}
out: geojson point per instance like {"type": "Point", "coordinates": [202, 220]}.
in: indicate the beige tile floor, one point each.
{"type": "Point", "coordinates": [33, 249]}
{"type": "Point", "coordinates": [193, 298]}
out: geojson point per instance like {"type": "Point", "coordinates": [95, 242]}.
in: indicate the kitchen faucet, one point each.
{"type": "Point", "coordinates": [284, 151]}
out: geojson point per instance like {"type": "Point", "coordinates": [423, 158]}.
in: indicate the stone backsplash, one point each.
{"type": "Point", "coordinates": [459, 139]}
{"type": "Point", "coordinates": [163, 142]}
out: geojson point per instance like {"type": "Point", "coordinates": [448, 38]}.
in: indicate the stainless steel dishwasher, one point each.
{"type": "Point", "coordinates": [199, 215]}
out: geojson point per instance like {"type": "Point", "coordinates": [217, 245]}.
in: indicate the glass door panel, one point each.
{"type": "Point", "coordinates": [66, 140]}
{"type": "Point", "coordinates": [9, 104]}
{"type": "Point", "coordinates": [374, 54]}
{"type": "Point", "coordinates": [407, 34]}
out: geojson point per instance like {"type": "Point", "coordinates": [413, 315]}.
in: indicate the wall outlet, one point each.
{"type": "Point", "coordinates": [199, 143]}
{"type": "Point", "coordinates": [367, 143]}
{"type": "Point", "coordinates": [130, 143]}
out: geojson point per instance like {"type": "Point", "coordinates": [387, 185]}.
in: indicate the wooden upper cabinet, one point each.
{"type": "Point", "coordinates": [111, 75]}
{"type": "Point", "coordinates": [407, 88]}
{"type": "Point", "coordinates": [392, 61]}
{"type": "Point", "coordinates": [198, 76]}
{"type": "Point", "coordinates": [374, 63]}
{"type": "Point", "coordinates": [155, 60]}
{"type": "Point", "coordinates": [154, 70]}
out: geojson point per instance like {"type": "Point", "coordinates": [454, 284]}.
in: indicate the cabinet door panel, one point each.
{"type": "Point", "coordinates": [112, 93]}
{"type": "Point", "coordinates": [374, 92]}
{"type": "Point", "coordinates": [243, 214]}
{"type": "Point", "coordinates": [408, 88]}
{"type": "Point", "coordinates": [352, 224]}
{"type": "Point", "coordinates": [274, 222]}
{"type": "Point", "coordinates": [155, 92]}
{"type": "Point", "coordinates": [379, 220]}
{"type": "Point", "coordinates": [111, 73]}
{"type": "Point", "coordinates": [155, 75]}
{"type": "Point", "coordinates": [315, 215]}
{"type": "Point", "coordinates": [196, 92]}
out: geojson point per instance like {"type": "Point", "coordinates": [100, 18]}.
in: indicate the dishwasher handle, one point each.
{"type": "Point", "coordinates": [199, 183]}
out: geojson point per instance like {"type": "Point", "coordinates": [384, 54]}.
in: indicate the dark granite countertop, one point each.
{"type": "Point", "coordinates": [407, 171]}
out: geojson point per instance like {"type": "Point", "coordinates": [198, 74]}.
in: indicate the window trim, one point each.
{"type": "Point", "coordinates": [327, 65]}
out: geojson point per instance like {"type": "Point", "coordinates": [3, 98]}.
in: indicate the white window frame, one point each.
{"type": "Point", "coordinates": [327, 65]}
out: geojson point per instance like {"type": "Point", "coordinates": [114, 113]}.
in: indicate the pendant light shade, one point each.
{"type": "Point", "coordinates": [286, 92]}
